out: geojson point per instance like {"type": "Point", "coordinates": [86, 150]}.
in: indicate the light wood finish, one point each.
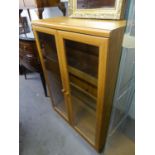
{"type": "Point", "coordinates": [83, 75]}
{"type": "Point", "coordinates": [92, 40]}
{"type": "Point", "coordinates": [88, 97]}
{"type": "Point", "coordinates": [51, 32]}
{"type": "Point", "coordinates": [65, 77]}
{"type": "Point", "coordinates": [82, 90]}
{"type": "Point", "coordinates": [85, 86]}
{"type": "Point", "coordinates": [111, 72]}
{"type": "Point", "coordinates": [87, 26]}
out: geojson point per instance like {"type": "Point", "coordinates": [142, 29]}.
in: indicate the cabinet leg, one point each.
{"type": "Point", "coordinates": [39, 12]}
{"type": "Point", "coordinates": [25, 73]}
{"type": "Point", "coordinates": [43, 83]}
{"type": "Point", "coordinates": [20, 69]}
{"type": "Point", "coordinates": [62, 7]}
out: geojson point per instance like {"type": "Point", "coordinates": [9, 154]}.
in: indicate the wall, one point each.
{"type": "Point", "coordinates": [124, 102]}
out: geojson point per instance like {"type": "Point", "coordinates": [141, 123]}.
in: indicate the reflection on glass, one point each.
{"type": "Point", "coordinates": [50, 57]}
{"type": "Point", "coordinates": [82, 60]}
{"type": "Point", "coordinates": [84, 109]}
{"type": "Point", "coordinates": [92, 4]}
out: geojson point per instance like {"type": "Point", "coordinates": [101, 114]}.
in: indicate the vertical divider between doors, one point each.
{"type": "Point", "coordinates": [64, 71]}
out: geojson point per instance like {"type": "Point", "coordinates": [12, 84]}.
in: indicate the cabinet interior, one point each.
{"type": "Point", "coordinates": [82, 63]}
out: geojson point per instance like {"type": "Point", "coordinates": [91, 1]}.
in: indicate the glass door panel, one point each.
{"type": "Point", "coordinates": [50, 58]}
{"type": "Point", "coordinates": [79, 55]}
{"type": "Point", "coordinates": [82, 61]}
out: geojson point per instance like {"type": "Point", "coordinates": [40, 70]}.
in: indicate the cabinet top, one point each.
{"type": "Point", "coordinates": [86, 26]}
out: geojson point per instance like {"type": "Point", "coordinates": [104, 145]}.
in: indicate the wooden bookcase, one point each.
{"type": "Point", "coordinates": [80, 59]}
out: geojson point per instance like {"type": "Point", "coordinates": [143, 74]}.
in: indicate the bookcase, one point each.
{"type": "Point", "coordinates": [80, 60]}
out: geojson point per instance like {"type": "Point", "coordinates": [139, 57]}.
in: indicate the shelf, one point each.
{"type": "Point", "coordinates": [85, 99]}
{"type": "Point", "coordinates": [85, 119]}
{"type": "Point", "coordinates": [86, 77]}
{"type": "Point", "coordinates": [82, 90]}
{"type": "Point", "coordinates": [84, 85]}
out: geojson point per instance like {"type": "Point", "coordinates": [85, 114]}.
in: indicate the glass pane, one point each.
{"type": "Point", "coordinates": [82, 60]}
{"type": "Point", "coordinates": [49, 52]}
{"type": "Point", "coordinates": [82, 57]}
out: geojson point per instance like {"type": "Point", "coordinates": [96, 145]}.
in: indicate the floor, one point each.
{"type": "Point", "coordinates": [44, 132]}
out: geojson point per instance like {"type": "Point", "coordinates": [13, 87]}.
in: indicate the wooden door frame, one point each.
{"type": "Point", "coordinates": [50, 32]}
{"type": "Point", "coordinates": [103, 44]}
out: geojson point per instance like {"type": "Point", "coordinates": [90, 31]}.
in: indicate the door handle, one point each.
{"type": "Point", "coordinates": [63, 90]}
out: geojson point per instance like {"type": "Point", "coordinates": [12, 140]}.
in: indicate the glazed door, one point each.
{"type": "Point", "coordinates": [84, 62]}
{"type": "Point", "coordinates": [49, 56]}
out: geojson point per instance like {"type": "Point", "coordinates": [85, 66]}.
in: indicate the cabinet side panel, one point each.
{"type": "Point", "coordinates": [113, 60]}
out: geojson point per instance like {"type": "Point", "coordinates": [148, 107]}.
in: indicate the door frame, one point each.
{"type": "Point", "coordinates": [51, 32]}
{"type": "Point", "coordinates": [103, 44]}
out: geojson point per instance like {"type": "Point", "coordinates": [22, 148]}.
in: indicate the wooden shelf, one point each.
{"type": "Point", "coordinates": [84, 85]}
{"type": "Point", "coordinates": [92, 80]}
{"type": "Point", "coordinates": [83, 91]}
{"type": "Point", "coordinates": [85, 99]}
{"type": "Point", "coordinates": [86, 77]}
